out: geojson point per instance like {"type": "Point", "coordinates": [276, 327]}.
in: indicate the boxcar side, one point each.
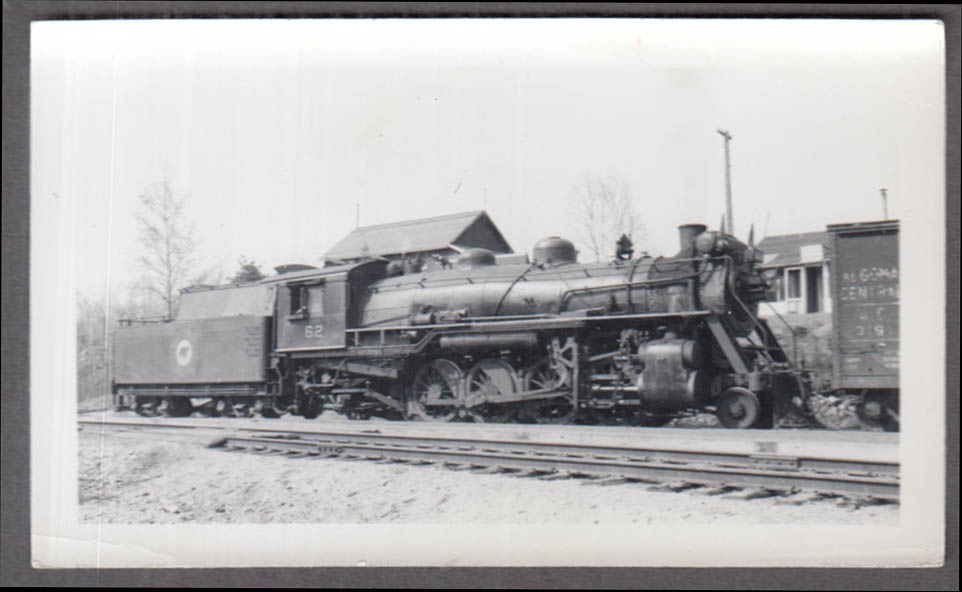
{"type": "Point", "coordinates": [865, 290]}
{"type": "Point", "coordinates": [865, 282]}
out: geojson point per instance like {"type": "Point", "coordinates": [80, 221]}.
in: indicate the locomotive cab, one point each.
{"type": "Point", "coordinates": [314, 307]}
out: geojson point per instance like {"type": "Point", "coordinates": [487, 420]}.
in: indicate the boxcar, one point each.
{"type": "Point", "coordinates": [865, 291]}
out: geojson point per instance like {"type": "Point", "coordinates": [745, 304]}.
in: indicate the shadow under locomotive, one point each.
{"type": "Point", "coordinates": [636, 341]}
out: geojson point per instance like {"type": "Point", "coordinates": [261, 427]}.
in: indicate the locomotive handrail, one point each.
{"type": "Point", "coordinates": [394, 318]}
{"type": "Point", "coordinates": [631, 277]}
{"type": "Point", "coordinates": [762, 331]}
{"type": "Point", "coordinates": [790, 330]}
{"type": "Point", "coordinates": [143, 321]}
{"type": "Point", "coordinates": [508, 321]}
{"type": "Point", "coordinates": [730, 280]}
{"type": "Point", "coordinates": [611, 287]}
{"type": "Point", "coordinates": [635, 264]}
{"type": "Point", "coordinates": [751, 316]}
{"type": "Point", "coordinates": [512, 317]}
{"type": "Point", "coordinates": [627, 285]}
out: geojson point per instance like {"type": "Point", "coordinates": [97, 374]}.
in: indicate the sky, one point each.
{"type": "Point", "coordinates": [281, 134]}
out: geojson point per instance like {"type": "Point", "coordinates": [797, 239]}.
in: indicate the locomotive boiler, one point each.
{"type": "Point", "coordinates": [631, 341]}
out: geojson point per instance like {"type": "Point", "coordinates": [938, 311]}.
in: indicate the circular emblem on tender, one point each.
{"type": "Point", "coordinates": [184, 352]}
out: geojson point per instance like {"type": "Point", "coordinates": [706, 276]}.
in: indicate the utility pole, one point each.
{"type": "Point", "coordinates": [885, 203]}
{"type": "Point", "coordinates": [729, 220]}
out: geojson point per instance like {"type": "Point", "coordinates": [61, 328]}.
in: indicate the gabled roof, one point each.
{"type": "Point", "coordinates": [411, 236]}
{"type": "Point", "coordinates": [786, 249]}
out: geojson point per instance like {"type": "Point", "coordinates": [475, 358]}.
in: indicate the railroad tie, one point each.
{"type": "Point", "coordinates": [749, 494]}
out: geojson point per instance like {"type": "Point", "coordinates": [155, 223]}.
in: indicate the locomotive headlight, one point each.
{"type": "Point", "coordinates": [705, 242]}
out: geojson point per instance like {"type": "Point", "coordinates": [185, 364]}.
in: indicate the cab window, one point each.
{"type": "Point", "coordinates": [299, 301]}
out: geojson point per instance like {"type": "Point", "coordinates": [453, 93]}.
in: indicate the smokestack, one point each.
{"type": "Point", "coordinates": [688, 232]}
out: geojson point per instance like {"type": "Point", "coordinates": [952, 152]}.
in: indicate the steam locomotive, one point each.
{"type": "Point", "coordinates": [634, 341]}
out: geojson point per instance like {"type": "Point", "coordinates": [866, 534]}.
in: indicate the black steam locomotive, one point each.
{"type": "Point", "coordinates": [634, 341]}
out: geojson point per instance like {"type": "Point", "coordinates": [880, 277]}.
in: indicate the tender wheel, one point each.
{"type": "Point", "coordinates": [234, 407]}
{"type": "Point", "coordinates": [738, 408]}
{"type": "Point", "coordinates": [556, 410]}
{"type": "Point", "coordinates": [491, 378]}
{"type": "Point", "coordinates": [178, 407]}
{"type": "Point", "coordinates": [147, 406]}
{"type": "Point", "coordinates": [311, 407]}
{"type": "Point", "coordinates": [435, 393]}
{"type": "Point", "coordinates": [268, 412]}
{"type": "Point", "coordinates": [210, 408]}
{"type": "Point", "coordinates": [879, 411]}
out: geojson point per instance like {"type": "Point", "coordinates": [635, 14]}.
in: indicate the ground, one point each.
{"type": "Point", "coordinates": [125, 478]}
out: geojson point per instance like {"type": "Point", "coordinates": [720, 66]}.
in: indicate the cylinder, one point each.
{"type": "Point", "coordinates": [693, 353]}
{"type": "Point", "coordinates": [688, 232]}
{"type": "Point", "coordinates": [489, 341]}
{"type": "Point", "coordinates": [667, 383]}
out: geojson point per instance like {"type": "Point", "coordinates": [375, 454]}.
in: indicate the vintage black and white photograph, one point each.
{"type": "Point", "coordinates": [487, 292]}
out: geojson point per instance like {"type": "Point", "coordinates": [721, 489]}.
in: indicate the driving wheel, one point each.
{"type": "Point", "coordinates": [556, 410]}
{"type": "Point", "coordinates": [434, 394]}
{"type": "Point", "coordinates": [488, 379]}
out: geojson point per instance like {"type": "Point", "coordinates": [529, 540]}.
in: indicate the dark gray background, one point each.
{"type": "Point", "coordinates": [15, 566]}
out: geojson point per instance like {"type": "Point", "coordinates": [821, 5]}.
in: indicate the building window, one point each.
{"type": "Point", "coordinates": [813, 289]}
{"type": "Point", "coordinates": [794, 283]}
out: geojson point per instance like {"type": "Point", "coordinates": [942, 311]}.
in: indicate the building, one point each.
{"type": "Point", "coordinates": [434, 242]}
{"type": "Point", "coordinates": [796, 267]}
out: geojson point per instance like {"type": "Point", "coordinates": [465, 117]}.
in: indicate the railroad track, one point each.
{"type": "Point", "coordinates": [674, 467]}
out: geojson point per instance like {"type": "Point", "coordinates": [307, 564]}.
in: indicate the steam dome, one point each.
{"type": "Point", "coordinates": [555, 250]}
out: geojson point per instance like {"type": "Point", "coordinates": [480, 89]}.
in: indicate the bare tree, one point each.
{"type": "Point", "coordinates": [92, 352]}
{"type": "Point", "coordinates": [604, 210]}
{"type": "Point", "coordinates": [168, 245]}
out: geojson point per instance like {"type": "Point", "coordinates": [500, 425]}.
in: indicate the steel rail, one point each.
{"type": "Point", "coordinates": [878, 479]}
{"type": "Point", "coordinates": [765, 471]}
